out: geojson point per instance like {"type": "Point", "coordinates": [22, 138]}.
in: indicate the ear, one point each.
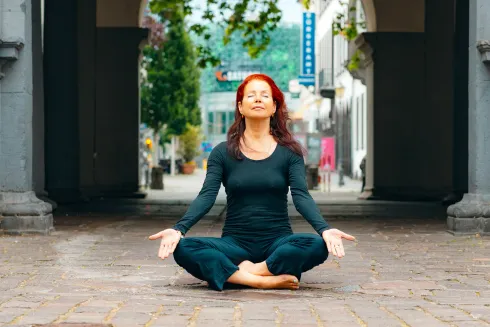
{"type": "Point", "coordinates": [240, 107]}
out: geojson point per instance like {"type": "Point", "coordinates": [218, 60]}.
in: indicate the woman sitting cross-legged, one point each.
{"type": "Point", "coordinates": [258, 165]}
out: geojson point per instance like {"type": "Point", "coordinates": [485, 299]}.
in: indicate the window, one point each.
{"type": "Point", "coordinates": [210, 122]}
{"type": "Point", "coordinates": [231, 118]}
{"type": "Point", "coordinates": [223, 123]}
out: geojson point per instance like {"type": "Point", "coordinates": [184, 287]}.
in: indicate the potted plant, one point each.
{"type": "Point", "coordinates": [190, 141]}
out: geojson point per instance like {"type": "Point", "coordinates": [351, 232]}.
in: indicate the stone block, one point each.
{"type": "Point", "coordinates": [470, 216]}
{"type": "Point", "coordinates": [22, 212]}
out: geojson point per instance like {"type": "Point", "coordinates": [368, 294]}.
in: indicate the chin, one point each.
{"type": "Point", "coordinates": [258, 115]}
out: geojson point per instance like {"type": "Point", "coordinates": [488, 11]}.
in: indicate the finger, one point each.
{"type": "Point", "coordinates": [161, 252]}
{"type": "Point", "coordinates": [347, 236]}
{"type": "Point", "coordinates": [156, 236]}
{"type": "Point", "coordinates": [329, 246]}
{"type": "Point", "coordinates": [172, 248]}
{"type": "Point", "coordinates": [341, 250]}
{"type": "Point", "coordinates": [334, 250]}
{"type": "Point", "coordinates": [165, 251]}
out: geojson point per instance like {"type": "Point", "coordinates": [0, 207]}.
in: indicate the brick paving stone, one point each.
{"type": "Point", "coordinates": [99, 269]}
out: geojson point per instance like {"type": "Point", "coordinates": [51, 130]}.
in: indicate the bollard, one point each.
{"type": "Point", "coordinates": [156, 178]}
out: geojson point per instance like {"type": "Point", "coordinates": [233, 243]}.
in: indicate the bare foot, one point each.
{"type": "Point", "coordinates": [243, 277]}
{"type": "Point", "coordinates": [248, 266]}
{"type": "Point", "coordinates": [258, 269]}
{"type": "Point", "coordinates": [282, 281]}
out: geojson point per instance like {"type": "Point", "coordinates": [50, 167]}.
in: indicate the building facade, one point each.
{"type": "Point", "coordinates": [349, 105]}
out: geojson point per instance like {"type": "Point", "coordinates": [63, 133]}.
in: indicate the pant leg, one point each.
{"type": "Point", "coordinates": [210, 259]}
{"type": "Point", "coordinates": [295, 254]}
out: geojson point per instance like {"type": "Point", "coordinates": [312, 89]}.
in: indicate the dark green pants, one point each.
{"type": "Point", "coordinates": [214, 260]}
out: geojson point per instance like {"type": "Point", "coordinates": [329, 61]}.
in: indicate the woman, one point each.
{"type": "Point", "coordinates": [257, 165]}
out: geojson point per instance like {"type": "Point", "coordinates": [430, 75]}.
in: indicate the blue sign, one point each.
{"type": "Point", "coordinates": [207, 147]}
{"type": "Point", "coordinates": [306, 80]}
{"type": "Point", "coordinates": [308, 44]}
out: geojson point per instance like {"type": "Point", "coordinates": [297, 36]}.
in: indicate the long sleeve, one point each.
{"type": "Point", "coordinates": [207, 196]}
{"type": "Point", "coordinates": [302, 199]}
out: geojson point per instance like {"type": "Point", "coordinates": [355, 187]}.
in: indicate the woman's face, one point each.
{"type": "Point", "coordinates": [257, 102]}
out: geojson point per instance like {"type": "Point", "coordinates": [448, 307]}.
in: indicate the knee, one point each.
{"type": "Point", "coordinates": [312, 246]}
{"type": "Point", "coordinates": [317, 249]}
{"type": "Point", "coordinates": [184, 250]}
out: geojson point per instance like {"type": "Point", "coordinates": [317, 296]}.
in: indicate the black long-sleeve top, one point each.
{"type": "Point", "coordinates": [256, 194]}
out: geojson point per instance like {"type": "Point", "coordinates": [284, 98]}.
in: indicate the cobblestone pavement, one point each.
{"type": "Point", "coordinates": [103, 270]}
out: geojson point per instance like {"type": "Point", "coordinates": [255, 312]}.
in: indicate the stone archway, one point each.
{"type": "Point", "coordinates": [370, 13]}
{"type": "Point", "coordinates": [98, 119]}
{"type": "Point", "coordinates": [120, 13]}
{"type": "Point", "coordinates": [409, 88]}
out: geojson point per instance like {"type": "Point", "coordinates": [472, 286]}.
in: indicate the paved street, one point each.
{"type": "Point", "coordinates": [400, 272]}
{"type": "Point", "coordinates": [186, 187]}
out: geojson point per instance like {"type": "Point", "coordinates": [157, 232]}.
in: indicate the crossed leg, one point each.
{"type": "Point", "coordinates": [292, 255]}
{"type": "Point", "coordinates": [215, 260]}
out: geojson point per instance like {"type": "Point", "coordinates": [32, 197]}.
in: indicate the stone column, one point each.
{"type": "Point", "coordinates": [20, 210]}
{"type": "Point", "coordinates": [472, 214]}
{"type": "Point", "coordinates": [367, 75]}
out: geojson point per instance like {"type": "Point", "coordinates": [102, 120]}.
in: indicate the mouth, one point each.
{"type": "Point", "coordinates": [258, 108]}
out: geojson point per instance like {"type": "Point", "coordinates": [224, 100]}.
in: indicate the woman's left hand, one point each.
{"type": "Point", "coordinates": [333, 239]}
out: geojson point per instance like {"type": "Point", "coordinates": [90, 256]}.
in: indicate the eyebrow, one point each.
{"type": "Point", "coordinates": [263, 91]}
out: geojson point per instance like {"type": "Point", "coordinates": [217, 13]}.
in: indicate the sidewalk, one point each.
{"type": "Point", "coordinates": [180, 190]}
{"type": "Point", "coordinates": [400, 272]}
{"type": "Point", "coordinates": [188, 186]}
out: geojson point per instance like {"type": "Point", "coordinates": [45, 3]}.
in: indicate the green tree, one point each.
{"type": "Point", "coordinates": [281, 59]}
{"type": "Point", "coordinates": [170, 90]}
{"type": "Point", "coordinates": [255, 19]}
{"type": "Point", "coordinates": [189, 143]}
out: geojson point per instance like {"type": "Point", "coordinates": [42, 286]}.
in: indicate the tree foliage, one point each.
{"type": "Point", "coordinates": [281, 59]}
{"type": "Point", "coordinates": [189, 142]}
{"type": "Point", "coordinates": [254, 20]}
{"type": "Point", "coordinates": [170, 90]}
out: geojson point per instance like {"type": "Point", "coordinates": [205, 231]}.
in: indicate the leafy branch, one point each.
{"type": "Point", "coordinates": [346, 25]}
{"type": "Point", "coordinates": [254, 19]}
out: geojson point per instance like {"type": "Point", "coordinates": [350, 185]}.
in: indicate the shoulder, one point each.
{"type": "Point", "coordinates": [219, 151]}
{"type": "Point", "coordinates": [291, 156]}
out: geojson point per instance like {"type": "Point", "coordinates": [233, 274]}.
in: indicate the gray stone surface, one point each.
{"type": "Point", "coordinates": [472, 214]}
{"type": "Point", "coordinates": [24, 213]}
{"type": "Point", "coordinates": [16, 101]}
{"type": "Point", "coordinates": [20, 210]}
{"type": "Point", "coordinates": [400, 272]}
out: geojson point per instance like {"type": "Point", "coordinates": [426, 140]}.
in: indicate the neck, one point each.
{"type": "Point", "coordinates": [257, 129]}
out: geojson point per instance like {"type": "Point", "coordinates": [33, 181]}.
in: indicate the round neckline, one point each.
{"type": "Point", "coordinates": [260, 160]}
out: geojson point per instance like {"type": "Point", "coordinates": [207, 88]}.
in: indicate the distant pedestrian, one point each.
{"type": "Point", "coordinates": [362, 166]}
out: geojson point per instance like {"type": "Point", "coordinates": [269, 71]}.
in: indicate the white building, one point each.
{"type": "Point", "coordinates": [218, 113]}
{"type": "Point", "coordinates": [349, 116]}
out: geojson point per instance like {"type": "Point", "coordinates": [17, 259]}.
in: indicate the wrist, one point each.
{"type": "Point", "coordinates": [179, 233]}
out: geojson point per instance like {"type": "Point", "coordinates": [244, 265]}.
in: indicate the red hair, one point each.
{"type": "Point", "coordinates": [278, 123]}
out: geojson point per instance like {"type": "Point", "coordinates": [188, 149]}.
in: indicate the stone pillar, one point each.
{"type": "Point", "coordinates": [61, 100]}
{"type": "Point", "coordinates": [20, 210]}
{"type": "Point", "coordinates": [117, 115]}
{"type": "Point", "coordinates": [367, 73]}
{"type": "Point", "coordinates": [472, 214]}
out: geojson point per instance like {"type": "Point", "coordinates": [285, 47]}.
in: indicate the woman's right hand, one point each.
{"type": "Point", "coordinates": [170, 239]}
